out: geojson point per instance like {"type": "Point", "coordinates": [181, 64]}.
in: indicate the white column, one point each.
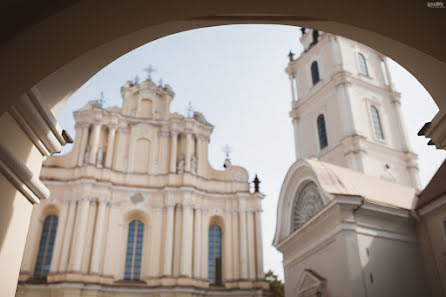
{"type": "Point", "coordinates": [57, 249]}
{"type": "Point", "coordinates": [110, 147]}
{"type": "Point", "coordinates": [98, 235]}
{"type": "Point", "coordinates": [293, 92]}
{"type": "Point", "coordinates": [156, 242]}
{"type": "Point", "coordinates": [243, 246]}
{"type": "Point", "coordinates": [404, 144]}
{"type": "Point", "coordinates": [168, 244]}
{"type": "Point", "coordinates": [227, 240]}
{"type": "Point", "coordinates": [67, 232]}
{"type": "Point", "coordinates": [173, 151]}
{"type": "Point", "coordinates": [259, 245]}
{"type": "Point", "coordinates": [83, 138]}
{"type": "Point", "coordinates": [251, 245]}
{"type": "Point", "coordinates": [186, 242]}
{"type": "Point", "coordinates": [80, 229]}
{"type": "Point", "coordinates": [188, 151]}
{"type": "Point", "coordinates": [235, 246]}
{"type": "Point", "coordinates": [197, 244]}
{"type": "Point", "coordinates": [297, 138]}
{"type": "Point", "coordinates": [345, 109]}
{"type": "Point", "coordinates": [199, 156]}
{"type": "Point", "coordinates": [94, 143]}
{"type": "Point", "coordinates": [204, 244]}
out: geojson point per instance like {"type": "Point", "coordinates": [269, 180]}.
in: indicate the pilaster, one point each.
{"type": "Point", "coordinates": [110, 146]}
{"type": "Point", "coordinates": [98, 238]}
{"type": "Point", "coordinates": [197, 244]}
{"type": "Point", "coordinates": [94, 143]}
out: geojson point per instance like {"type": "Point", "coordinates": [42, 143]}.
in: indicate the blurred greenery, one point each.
{"type": "Point", "coordinates": [275, 284]}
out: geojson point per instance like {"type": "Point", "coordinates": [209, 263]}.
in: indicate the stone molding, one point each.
{"type": "Point", "coordinates": [436, 130]}
{"type": "Point", "coordinates": [37, 121]}
{"type": "Point", "coordinates": [20, 176]}
{"type": "Point", "coordinates": [436, 204]}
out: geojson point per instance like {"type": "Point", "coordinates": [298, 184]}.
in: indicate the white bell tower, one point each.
{"type": "Point", "coordinates": [345, 110]}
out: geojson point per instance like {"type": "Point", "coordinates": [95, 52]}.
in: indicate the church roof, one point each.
{"type": "Point", "coordinates": [335, 181]}
{"type": "Point", "coordinates": [435, 188]}
{"type": "Point", "coordinates": [344, 181]}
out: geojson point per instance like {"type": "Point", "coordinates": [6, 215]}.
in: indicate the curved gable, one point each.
{"type": "Point", "coordinates": [301, 182]}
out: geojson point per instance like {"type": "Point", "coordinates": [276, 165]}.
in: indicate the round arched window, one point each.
{"type": "Point", "coordinates": [307, 203]}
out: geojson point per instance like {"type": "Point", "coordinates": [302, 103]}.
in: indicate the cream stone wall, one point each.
{"type": "Point", "coordinates": [344, 96]}
{"type": "Point", "coordinates": [432, 233]}
{"type": "Point", "coordinates": [143, 163]}
{"type": "Point", "coordinates": [358, 249]}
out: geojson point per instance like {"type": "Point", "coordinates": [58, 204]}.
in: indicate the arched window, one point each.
{"type": "Point", "coordinates": [363, 64]}
{"type": "Point", "coordinates": [376, 122]}
{"type": "Point", "coordinates": [307, 203]}
{"type": "Point", "coordinates": [214, 263]}
{"type": "Point", "coordinates": [134, 251]}
{"type": "Point", "coordinates": [46, 247]}
{"type": "Point", "coordinates": [315, 73]}
{"type": "Point", "coordinates": [322, 131]}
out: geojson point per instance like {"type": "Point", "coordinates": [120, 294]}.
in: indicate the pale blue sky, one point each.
{"type": "Point", "coordinates": [235, 76]}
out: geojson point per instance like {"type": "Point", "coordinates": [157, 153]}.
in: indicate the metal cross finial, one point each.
{"type": "Point", "coordinates": [136, 79]}
{"type": "Point", "coordinates": [291, 56]}
{"type": "Point", "coordinates": [149, 71]}
{"type": "Point", "coordinates": [227, 150]}
{"type": "Point", "coordinates": [189, 110]}
{"type": "Point", "coordinates": [101, 100]}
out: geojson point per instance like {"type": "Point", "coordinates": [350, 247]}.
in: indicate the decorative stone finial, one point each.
{"type": "Point", "coordinates": [291, 56]}
{"type": "Point", "coordinates": [189, 110]}
{"type": "Point", "coordinates": [100, 100]}
{"type": "Point", "coordinates": [227, 150]}
{"type": "Point", "coordinates": [256, 182]}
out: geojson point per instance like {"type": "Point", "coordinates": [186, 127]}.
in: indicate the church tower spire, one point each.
{"type": "Point", "coordinates": [345, 110]}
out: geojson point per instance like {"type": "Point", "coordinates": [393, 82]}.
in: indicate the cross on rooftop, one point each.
{"type": "Point", "coordinates": [227, 150]}
{"type": "Point", "coordinates": [150, 69]}
{"type": "Point", "coordinates": [101, 100]}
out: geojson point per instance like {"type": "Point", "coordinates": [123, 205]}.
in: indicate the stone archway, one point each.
{"type": "Point", "coordinates": [52, 49]}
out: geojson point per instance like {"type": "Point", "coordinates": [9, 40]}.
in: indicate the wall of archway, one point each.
{"type": "Point", "coordinates": [49, 50]}
{"type": "Point", "coordinates": [63, 51]}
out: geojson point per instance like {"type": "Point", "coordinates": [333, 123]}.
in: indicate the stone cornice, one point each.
{"type": "Point", "coordinates": [37, 121]}
{"type": "Point", "coordinates": [117, 178]}
{"type": "Point", "coordinates": [20, 176]}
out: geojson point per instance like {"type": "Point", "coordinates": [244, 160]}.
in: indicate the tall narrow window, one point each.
{"type": "Point", "coordinates": [215, 271]}
{"type": "Point", "coordinates": [363, 64]}
{"type": "Point", "coordinates": [322, 131]}
{"type": "Point", "coordinates": [315, 73]}
{"type": "Point", "coordinates": [376, 121]}
{"type": "Point", "coordinates": [46, 247]}
{"type": "Point", "coordinates": [134, 251]}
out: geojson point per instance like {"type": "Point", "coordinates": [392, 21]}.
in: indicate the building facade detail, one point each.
{"type": "Point", "coordinates": [345, 212]}
{"type": "Point", "coordinates": [345, 94]}
{"type": "Point", "coordinates": [138, 206]}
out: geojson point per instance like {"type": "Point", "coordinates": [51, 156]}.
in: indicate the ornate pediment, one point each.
{"type": "Point", "coordinates": [310, 284]}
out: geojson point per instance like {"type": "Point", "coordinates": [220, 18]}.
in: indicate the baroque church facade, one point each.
{"type": "Point", "coordinates": [136, 209]}
{"type": "Point", "coordinates": [349, 222]}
